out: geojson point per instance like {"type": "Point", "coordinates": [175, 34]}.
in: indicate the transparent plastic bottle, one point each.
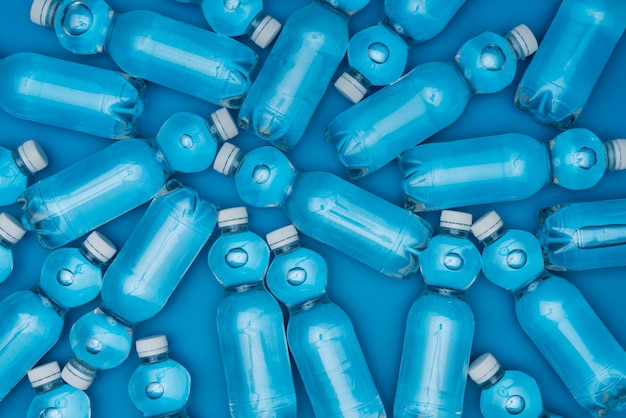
{"type": "Point", "coordinates": [297, 71]}
{"type": "Point", "coordinates": [503, 168]}
{"type": "Point", "coordinates": [160, 386]}
{"type": "Point", "coordinates": [255, 356]}
{"type": "Point", "coordinates": [71, 95]}
{"type": "Point", "coordinates": [54, 397]}
{"type": "Point", "coordinates": [556, 317]}
{"type": "Point", "coordinates": [11, 232]}
{"type": "Point", "coordinates": [332, 365]}
{"type": "Point", "coordinates": [329, 209]}
{"type": "Point", "coordinates": [570, 59]}
{"type": "Point", "coordinates": [120, 177]}
{"type": "Point", "coordinates": [153, 47]}
{"type": "Point", "coordinates": [427, 99]}
{"type": "Point", "coordinates": [17, 166]}
{"type": "Point", "coordinates": [440, 326]}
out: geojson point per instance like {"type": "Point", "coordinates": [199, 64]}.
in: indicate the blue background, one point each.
{"type": "Point", "coordinates": [377, 304]}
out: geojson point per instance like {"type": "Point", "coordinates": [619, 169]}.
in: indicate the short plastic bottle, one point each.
{"type": "Point", "coordinates": [320, 335]}
{"type": "Point", "coordinates": [160, 386]}
{"type": "Point", "coordinates": [330, 209]}
{"type": "Point", "coordinates": [11, 232]}
{"type": "Point", "coordinates": [153, 47]}
{"type": "Point", "coordinates": [427, 99]}
{"type": "Point", "coordinates": [255, 356]}
{"type": "Point", "coordinates": [17, 166]}
{"type": "Point", "coordinates": [440, 326]}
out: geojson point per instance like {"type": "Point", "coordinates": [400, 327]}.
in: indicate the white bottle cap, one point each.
{"type": "Point", "coordinates": [39, 11]}
{"type": "Point", "coordinates": [225, 158]}
{"type": "Point", "coordinates": [11, 229]}
{"type": "Point", "coordinates": [225, 124]}
{"type": "Point", "coordinates": [619, 153]}
{"type": "Point", "coordinates": [266, 31]}
{"type": "Point", "coordinates": [486, 225]}
{"type": "Point", "coordinates": [46, 373]}
{"type": "Point", "coordinates": [350, 88]}
{"type": "Point", "coordinates": [483, 368]}
{"type": "Point", "coordinates": [526, 39]}
{"type": "Point", "coordinates": [151, 346]}
{"type": "Point", "coordinates": [455, 220]}
{"type": "Point", "coordinates": [99, 246]}
{"type": "Point", "coordinates": [232, 216]}
{"type": "Point", "coordinates": [33, 155]}
{"type": "Point", "coordinates": [282, 236]}
{"type": "Point", "coordinates": [75, 377]}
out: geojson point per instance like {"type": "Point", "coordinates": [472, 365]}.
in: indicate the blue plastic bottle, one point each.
{"type": "Point", "coordinates": [17, 166]}
{"type": "Point", "coordinates": [70, 95]}
{"type": "Point", "coordinates": [570, 59]}
{"type": "Point", "coordinates": [153, 47]}
{"type": "Point", "coordinates": [440, 326]}
{"type": "Point", "coordinates": [425, 100]}
{"type": "Point", "coordinates": [11, 232]}
{"type": "Point", "coordinates": [32, 320]}
{"type": "Point", "coordinates": [120, 177]}
{"type": "Point", "coordinates": [503, 168]}
{"type": "Point", "coordinates": [297, 71]}
{"type": "Point", "coordinates": [556, 317]}
{"type": "Point", "coordinates": [137, 285]}
{"type": "Point", "coordinates": [319, 333]}
{"type": "Point", "coordinates": [160, 386]}
{"type": "Point", "coordinates": [329, 209]}
{"type": "Point", "coordinates": [506, 393]}
{"type": "Point", "coordinates": [255, 356]}
{"type": "Point", "coordinates": [54, 397]}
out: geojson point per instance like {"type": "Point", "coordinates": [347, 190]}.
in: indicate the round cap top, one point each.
{"type": "Point", "coordinates": [486, 225]}
{"type": "Point", "coordinates": [225, 124]}
{"type": "Point", "coordinates": [266, 31]}
{"type": "Point", "coordinates": [526, 39]}
{"type": "Point", "coordinates": [34, 157]}
{"type": "Point", "coordinates": [455, 220]}
{"type": "Point", "coordinates": [225, 158]}
{"type": "Point", "coordinates": [11, 229]}
{"type": "Point", "coordinates": [75, 377]}
{"type": "Point", "coordinates": [39, 11]}
{"type": "Point", "coordinates": [483, 368]}
{"type": "Point", "coordinates": [282, 236]}
{"type": "Point", "coordinates": [232, 216]}
{"type": "Point", "coordinates": [350, 87]}
{"type": "Point", "coordinates": [43, 374]}
{"type": "Point", "coordinates": [99, 246]}
{"type": "Point", "coordinates": [151, 346]}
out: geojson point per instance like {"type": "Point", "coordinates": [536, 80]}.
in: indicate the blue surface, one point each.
{"type": "Point", "coordinates": [376, 304]}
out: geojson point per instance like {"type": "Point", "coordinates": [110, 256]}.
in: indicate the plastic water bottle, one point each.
{"type": "Point", "coordinates": [255, 356]}
{"type": "Point", "coordinates": [160, 386]}
{"type": "Point", "coordinates": [440, 326]}
{"type": "Point", "coordinates": [151, 46]}
{"type": "Point", "coordinates": [503, 168]}
{"type": "Point", "coordinates": [378, 54]}
{"type": "Point", "coordinates": [332, 365]}
{"type": "Point", "coordinates": [570, 59]}
{"type": "Point", "coordinates": [282, 99]}
{"type": "Point", "coordinates": [55, 398]}
{"type": "Point", "coordinates": [239, 17]}
{"type": "Point", "coordinates": [139, 282]}
{"type": "Point", "coordinates": [120, 177]}
{"type": "Point", "coordinates": [17, 166]}
{"type": "Point", "coordinates": [32, 320]}
{"type": "Point", "coordinates": [427, 99]}
{"type": "Point", "coordinates": [329, 209]}
{"type": "Point", "coordinates": [70, 95]}
{"type": "Point", "coordinates": [506, 393]}
{"type": "Point", "coordinates": [11, 232]}
{"type": "Point", "coordinates": [556, 317]}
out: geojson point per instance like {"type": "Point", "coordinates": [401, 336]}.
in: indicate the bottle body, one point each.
{"type": "Point", "coordinates": [230, 18]}
{"type": "Point", "coordinates": [516, 393]}
{"type": "Point", "coordinates": [62, 401]}
{"type": "Point", "coordinates": [6, 262]}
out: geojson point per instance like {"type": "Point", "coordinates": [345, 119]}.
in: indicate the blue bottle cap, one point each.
{"type": "Point", "coordinates": [46, 373]}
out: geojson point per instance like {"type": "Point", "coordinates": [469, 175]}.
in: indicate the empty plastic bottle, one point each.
{"type": "Point", "coordinates": [11, 232]}
{"type": "Point", "coordinates": [570, 59]}
{"type": "Point", "coordinates": [329, 209]}
{"type": "Point", "coordinates": [319, 333]}
{"type": "Point", "coordinates": [32, 320]}
{"type": "Point", "coordinates": [120, 177]}
{"type": "Point", "coordinates": [70, 95]}
{"type": "Point", "coordinates": [160, 386]}
{"type": "Point", "coordinates": [54, 397]}
{"type": "Point", "coordinates": [255, 355]}
{"type": "Point", "coordinates": [503, 168]}
{"type": "Point", "coordinates": [506, 393]}
{"type": "Point", "coordinates": [440, 326]}
{"type": "Point", "coordinates": [427, 99]}
{"type": "Point", "coordinates": [153, 47]}
{"type": "Point", "coordinates": [556, 317]}
{"type": "Point", "coordinates": [297, 71]}
{"type": "Point", "coordinates": [17, 166]}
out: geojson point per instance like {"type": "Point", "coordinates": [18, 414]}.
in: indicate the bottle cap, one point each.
{"type": "Point", "coordinates": [619, 153]}
{"type": "Point", "coordinates": [266, 31]}
{"type": "Point", "coordinates": [282, 236]}
{"type": "Point", "coordinates": [39, 11]}
{"type": "Point", "coordinates": [225, 124]}
{"type": "Point", "coordinates": [11, 229]}
{"type": "Point", "coordinates": [455, 220]}
{"type": "Point", "coordinates": [75, 377]}
{"type": "Point", "coordinates": [232, 216]}
{"type": "Point", "coordinates": [483, 368]}
{"type": "Point", "coordinates": [350, 87]}
{"type": "Point", "coordinates": [225, 158]}
{"type": "Point", "coordinates": [33, 155]}
{"type": "Point", "coordinates": [151, 346]}
{"type": "Point", "coordinates": [99, 246]}
{"type": "Point", "coordinates": [46, 373]}
{"type": "Point", "coordinates": [526, 39]}
{"type": "Point", "coordinates": [486, 225]}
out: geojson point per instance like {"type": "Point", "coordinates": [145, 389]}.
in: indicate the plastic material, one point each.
{"type": "Point", "coordinates": [14, 171]}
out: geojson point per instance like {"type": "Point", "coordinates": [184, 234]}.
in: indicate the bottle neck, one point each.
{"type": "Point", "coordinates": [90, 257]}
{"type": "Point", "coordinates": [255, 23]}
{"type": "Point", "coordinates": [5, 243]}
{"type": "Point", "coordinates": [397, 30]}
{"type": "Point", "coordinates": [157, 358]}
{"type": "Point", "coordinates": [47, 387]}
{"type": "Point", "coordinates": [494, 236]}
{"type": "Point", "coordinates": [287, 248]}
{"type": "Point", "coordinates": [515, 46]}
{"type": "Point", "coordinates": [51, 12]}
{"type": "Point", "coordinates": [59, 308]}
{"type": "Point", "coordinates": [20, 163]}
{"type": "Point", "coordinates": [445, 291]}
{"type": "Point", "coordinates": [493, 379]}
{"type": "Point", "coordinates": [233, 229]}
{"type": "Point", "coordinates": [453, 232]}
{"type": "Point", "coordinates": [236, 163]}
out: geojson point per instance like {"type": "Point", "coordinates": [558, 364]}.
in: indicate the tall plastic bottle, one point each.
{"type": "Point", "coordinates": [255, 356]}
{"type": "Point", "coordinates": [506, 393]}
{"type": "Point", "coordinates": [570, 59]}
{"type": "Point", "coordinates": [16, 166]}
{"type": "Point", "coordinates": [320, 335]}
{"type": "Point", "coordinates": [503, 168]}
{"type": "Point", "coordinates": [440, 326]}
{"type": "Point", "coordinates": [556, 317]}
{"type": "Point", "coordinates": [139, 282]}
{"type": "Point", "coordinates": [120, 177]}
{"type": "Point", "coordinates": [11, 232]}
{"type": "Point", "coordinates": [55, 398]}
{"type": "Point", "coordinates": [160, 386]}
{"type": "Point", "coordinates": [425, 100]}
{"type": "Point", "coordinates": [297, 71]}
{"type": "Point", "coordinates": [32, 320]}
{"type": "Point", "coordinates": [329, 209]}
{"type": "Point", "coordinates": [153, 47]}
